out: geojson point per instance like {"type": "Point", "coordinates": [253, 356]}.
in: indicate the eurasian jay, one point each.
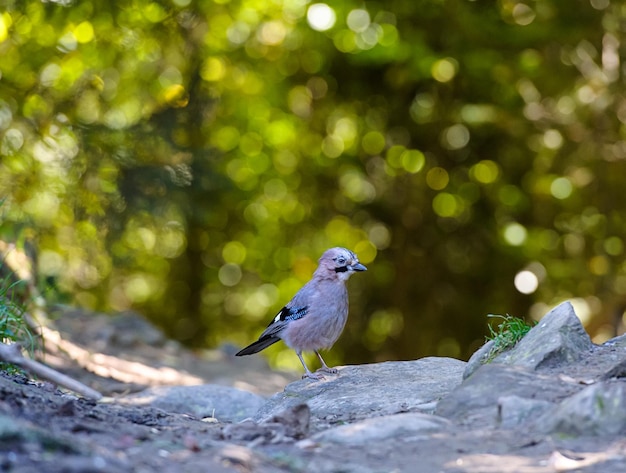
{"type": "Point", "coordinates": [317, 314]}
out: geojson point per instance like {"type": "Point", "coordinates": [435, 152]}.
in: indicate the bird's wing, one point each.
{"type": "Point", "coordinates": [272, 333]}
{"type": "Point", "coordinates": [285, 316]}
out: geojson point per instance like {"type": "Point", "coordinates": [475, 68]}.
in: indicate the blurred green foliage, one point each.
{"type": "Point", "coordinates": [191, 159]}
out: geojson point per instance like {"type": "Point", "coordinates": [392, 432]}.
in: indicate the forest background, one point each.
{"type": "Point", "coordinates": [191, 160]}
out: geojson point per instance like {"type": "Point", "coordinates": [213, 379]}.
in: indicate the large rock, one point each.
{"type": "Point", "coordinates": [559, 338]}
{"type": "Point", "coordinates": [553, 381]}
{"type": "Point", "coordinates": [613, 354]}
{"type": "Point", "coordinates": [365, 391]}
{"type": "Point", "coordinates": [484, 398]}
{"type": "Point", "coordinates": [379, 429]}
{"type": "Point", "coordinates": [599, 409]}
{"type": "Point", "coordinates": [208, 400]}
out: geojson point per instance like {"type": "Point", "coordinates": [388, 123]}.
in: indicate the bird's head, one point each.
{"type": "Point", "coordinates": [339, 263]}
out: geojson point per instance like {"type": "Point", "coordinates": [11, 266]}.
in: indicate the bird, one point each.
{"type": "Point", "coordinates": [315, 317]}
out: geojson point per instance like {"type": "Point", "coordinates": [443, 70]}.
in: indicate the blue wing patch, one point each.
{"type": "Point", "coordinates": [290, 313]}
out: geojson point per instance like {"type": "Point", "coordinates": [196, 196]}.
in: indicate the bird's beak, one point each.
{"type": "Point", "coordinates": [358, 267]}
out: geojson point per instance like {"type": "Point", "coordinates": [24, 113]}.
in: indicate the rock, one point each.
{"type": "Point", "coordinates": [365, 391]}
{"type": "Point", "coordinates": [544, 380]}
{"type": "Point", "coordinates": [208, 400]}
{"type": "Point", "coordinates": [599, 409]}
{"type": "Point", "coordinates": [514, 410]}
{"type": "Point", "coordinates": [477, 400]}
{"type": "Point", "coordinates": [14, 430]}
{"type": "Point", "coordinates": [378, 429]}
{"type": "Point", "coordinates": [245, 459]}
{"type": "Point", "coordinates": [614, 352]}
{"type": "Point", "coordinates": [559, 338]}
{"type": "Point", "coordinates": [616, 370]}
{"type": "Point", "coordinates": [619, 341]}
{"type": "Point", "coordinates": [296, 420]}
{"type": "Point", "coordinates": [478, 359]}
{"type": "Point", "coordinates": [292, 424]}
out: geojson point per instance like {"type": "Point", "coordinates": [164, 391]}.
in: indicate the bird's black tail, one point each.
{"type": "Point", "coordinates": [261, 344]}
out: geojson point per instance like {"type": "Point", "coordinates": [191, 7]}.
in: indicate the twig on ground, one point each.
{"type": "Point", "coordinates": [13, 354]}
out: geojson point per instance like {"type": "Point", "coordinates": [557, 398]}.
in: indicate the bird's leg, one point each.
{"type": "Point", "coordinates": [325, 368]}
{"type": "Point", "coordinates": [307, 371]}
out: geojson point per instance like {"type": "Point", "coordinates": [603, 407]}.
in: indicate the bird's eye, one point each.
{"type": "Point", "coordinates": [340, 260]}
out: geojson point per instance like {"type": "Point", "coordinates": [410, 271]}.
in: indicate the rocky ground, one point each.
{"type": "Point", "coordinates": [556, 402]}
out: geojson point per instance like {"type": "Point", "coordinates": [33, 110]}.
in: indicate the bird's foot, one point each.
{"type": "Point", "coordinates": [326, 369]}
{"type": "Point", "coordinates": [315, 375]}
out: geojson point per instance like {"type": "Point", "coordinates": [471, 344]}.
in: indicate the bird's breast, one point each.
{"type": "Point", "coordinates": [322, 325]}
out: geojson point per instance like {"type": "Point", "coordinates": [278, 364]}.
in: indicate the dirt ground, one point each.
{"type": "Point", "coordinates": [44, 429]}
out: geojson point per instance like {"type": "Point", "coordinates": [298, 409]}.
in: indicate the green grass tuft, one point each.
{"type": "Point", "coordinates": [13, 327]}
{"type": "Point", "coordinates": [506, 335]}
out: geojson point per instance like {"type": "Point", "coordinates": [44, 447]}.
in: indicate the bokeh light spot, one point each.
{"type": "Point", "coordinates": [332, 146]}
{"type": "Point", "coordinates": [614, 246]}
{"type": "Point", "coordinates": [455, 137]}
{"type": "Point", "coordinates": [272, 33]}
{"type": "Point", "coordinates": [552, 139]}
{"type": "Point", "coordinates": [561, 188]}
{"type": "Point", "coordinates": [599, 265]}
{"type": "Point", "coordinates": [573, 243]}
{"type": "Point", "coordinates": [510, 195]}
{"type": "Point", "coordinates": [171, 242]}
{"type": "Point", "coordinates": [355, 186]}
{"type": "Point", "coordinates": [485, 172]}
{"type": "Point", "coordinates": [515, 234]}
{"type": "Point", "coordinates": [5, 23]}
{"type": "Point", "coordinates": [84, 32]}
{"type": "Point", "coordinates": [449, 347]}
{"type": "Point", "coordinates": [275, 189]}
{"type": "Point", "coordinates": [600, 5]}
{"type": "Point", "coordinates": [321, 17]}
{"type": "Point", "coordinates": [139, 287]}
{"type": "Point", "coordinates": [445, 69]}
{"type": "Point", "coordinates": [226, 138]}
{"type": "Point", "coordinates": [389, 36]}
{"type": "Point", "coordinates": [213, 69]}
{"type": "Point", "coordinates": [358, 20]}
{"type": "Point", "coordinates": [381, 325]}
{"type": "Point", "coordinates": [413, 160]}
{"type": "Point", "coordinates": [234, 252]}
{"type": "Point", "coordinates": [42, 207]}
{"type": "Point", "coordinates": [229, 274]}
{"type": "Point", "coordinates": [12, 141]}
{"type": "Point", "coordinates": [522, 14]}
{"type": "Point", "coordinates": [234, 304]}
{"type": "Point", "coordinates": [526, 282]}
{"type": "Point", "coordinates": [437, 178]}
{"type": "Point", "coordinates": [379, 235]}
{"type": "Point", "coordinates": [154, 12]}
{"type": "Point", "coordinates": [448, 205]}
{"type": "Point", "coordinates": [373, 142]}
{"type": "Point", "coordinates": [366, 250]}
